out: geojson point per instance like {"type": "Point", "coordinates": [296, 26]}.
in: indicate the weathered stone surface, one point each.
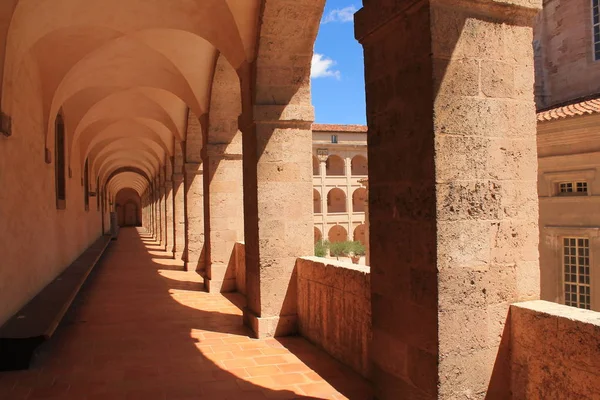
{"type": "Point", "coordinates": [555, 351]}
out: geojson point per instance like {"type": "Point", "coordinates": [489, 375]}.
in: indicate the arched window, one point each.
{"type": "Point", "coordinates": [359, 166]}
{"type": "Point", "coordinates": [316, 202]}
{"type": "Point", "coordinates": [336, 201]}
{"type": "Point", "coordinates": [86, 185]}
{"type": "Point", "coordinates": [337, 233]}
{"type": "Point", "coordinates": [358, 200]}
{"type": "Point", "coordinates": [359, 234]}
{"type": "Point", "coordinates": [318, 235]}
{"type": "Point", "coordinates": [59, 163]}
{"type": "Point", "coordinates": [334, 166]}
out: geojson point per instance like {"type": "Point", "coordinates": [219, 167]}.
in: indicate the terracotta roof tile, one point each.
{"type": "Point", "coordinates": [587, 107]}
{"type": "Point", "coordinates": [339, 128]}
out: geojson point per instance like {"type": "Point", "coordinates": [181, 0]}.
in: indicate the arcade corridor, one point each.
{"type": "Point", "coordinates": [143, 329]}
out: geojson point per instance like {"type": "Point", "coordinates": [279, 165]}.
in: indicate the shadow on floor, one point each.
{"type": "Point", "coordinates": [143, 329]}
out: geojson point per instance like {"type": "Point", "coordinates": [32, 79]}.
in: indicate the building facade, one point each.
{"type": "Point", "coordinates": [567, 57]}
{"type": "Point", "coordinates": [339, 163]}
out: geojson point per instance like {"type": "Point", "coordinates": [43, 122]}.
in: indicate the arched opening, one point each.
{"type": "Point", "coordinates": [336, 201]}
{"type": "Point", "coordinates": [337, 233]}
{"type": "Point", "coordinates": [334, 166]}
{"type": "Point", "coordinates": [359, 197]}
{"type": "Point", "coordinates": [315, 164]}
{"type": "Point", "coordinates": [318, 235]}
{"type": "Point", "coordinates": [359, 166]}
{"type": "Point", "coordinates": [316, 202]}
{"type": "Point", "coordinates": [128, 207]}
{"type": "Point", "coordinates": [359, 234]}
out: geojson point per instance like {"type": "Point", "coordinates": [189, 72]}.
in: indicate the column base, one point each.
{"type": "Point", "coordinates": [215, 286]}
{"type": "Point", "coordinates": [265, 327]}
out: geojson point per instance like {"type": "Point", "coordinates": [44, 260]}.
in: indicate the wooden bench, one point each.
{"type": "Point", "coordinates": [36, 322]}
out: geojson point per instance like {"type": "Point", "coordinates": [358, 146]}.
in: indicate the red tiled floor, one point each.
{"type": "Point", "coordinates": [144, 329]}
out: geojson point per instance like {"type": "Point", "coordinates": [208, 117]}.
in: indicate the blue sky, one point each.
{"type": "Point", "coordinates": [338, 88]}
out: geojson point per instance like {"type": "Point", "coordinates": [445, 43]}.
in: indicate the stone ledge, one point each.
{"type": "Point", "coordinates": [560, 311]}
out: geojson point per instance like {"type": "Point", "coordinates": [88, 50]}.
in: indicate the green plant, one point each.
{"type": "Point", "coordinates": [321, 248]}
{"type": "Point", "coordinates": [357, 249]}
{"type": "Point", "coordinates": [340, 249]}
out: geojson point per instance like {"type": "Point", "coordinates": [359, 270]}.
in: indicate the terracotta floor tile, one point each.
{"type": "Point", "coordinates": [142, 328]}
{"type": "Point", "coordinates": [270, 360]}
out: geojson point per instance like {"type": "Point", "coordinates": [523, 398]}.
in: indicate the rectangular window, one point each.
{"type": "Point", "coordinates": [577, 188]}
{"type": "Point", "coordinates": [596, 29]}
{"type": "Point", "coordinates": [86, 186]}
{"type": "Point", "coordinates": [59, 163]}
{"type": "Point", "coordinates": [576, 263]}
{"type": "Point", "coordinates": [334, 139]}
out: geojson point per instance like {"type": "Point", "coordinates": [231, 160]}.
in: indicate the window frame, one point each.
{"type": "Point", "coordinates": [86, 185]}
{"type": "Point", "coordinates": [60, 177]}
{"type": "Point", "coordinates": [574, 186]}
{"type": "Point", "coordinates": [587, 304]}
{"type": "Point", "coordinates": [595, 18]}
{"type": "Point", "coordinates": [334, 139]}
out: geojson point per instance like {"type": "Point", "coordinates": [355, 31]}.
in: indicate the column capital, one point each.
{"type": "Point", "coordinates": [295, 115]}
{"type": "Point", "coordinates": [193, 168]}
{"type": "Point", "coordinates": [374, 15]}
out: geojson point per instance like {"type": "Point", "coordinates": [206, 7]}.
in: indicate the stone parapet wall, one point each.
{"type": "Point", "coordinates": [334, 309]}
{"type": "Point", "coordinates": [555, 351]}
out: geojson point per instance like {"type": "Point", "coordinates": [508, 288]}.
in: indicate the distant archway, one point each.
{"type": "Point", "coordinates": [336, 201]}
{"type": "Point", "coordinates": [358, 200]}
{"type": "Point", "coordinates": [317, 202]}
{"type": "Point", "coordinates": [359, 166]}
{"type": "Point", "coordinates": [318, 235]}
{"type": "Point", "coordinates": [334, 166]}
{"type": "Point", "coordinates": [359, 234]}
{"type": "Point", "coordinates": [337, 233]}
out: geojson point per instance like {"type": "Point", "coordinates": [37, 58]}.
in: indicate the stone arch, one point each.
{"type": "Point", "coordinates": [317, 202]}
{"type": "Point", "coordinates": [359, 234]}
{"type": "Point", "coordinates": [335, 166]}
{"type": "Point", "coordinates": [315, 165]}
{"type": "Point", "coordinates": [359, 197]}
{"type": "Point", "coordinates": [337, 233]}
{"type": "Point", "coordinates": [318, 235]}
{"type": "Point", "coordinates": [336, 201]}
{"type": "Point", "coordinates": [359, 166]}
{"type": "Point", "coordinates": [128, 201]}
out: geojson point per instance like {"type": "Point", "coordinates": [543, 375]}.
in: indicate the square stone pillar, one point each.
{"type": "Point", "coordinates": [163, 216]}
{"type": "Point", "coordinates": [169, 218]}
{"type": "Point", "coordinates": [452, 195]}
{"type": "Point", "coordinates": [179, 217]}
{"type": "Point", "coordinates": [194, 197]}
{"type": "Point", "coordinates": [225, 202]}
{"type": "Point", "coordinates": [278, 212]}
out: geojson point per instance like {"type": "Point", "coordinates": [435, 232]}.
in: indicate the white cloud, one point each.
{"type": "Point", "coordinates": [321, 67]}
{"type": "Point", "coordinates": [345, 14]}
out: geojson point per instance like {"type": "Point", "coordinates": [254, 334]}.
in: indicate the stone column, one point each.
{"type": "Point", "coordinates": [170, 221]}
{"type": "Point", "coordinates": [225, 202]}
{"type": "Point", "coordinates": [278, 215]}
{"type": "Point", "coordinates": [179, 217]}
{"type": "Point", "coordinates": [453, 199]}
{"type": "Point", "coordinates": [323, 169]}
{"type": "Point", "coordinates": [365, 183]}
{"type": "Point", "coordinates": [194, 196]}
{"type": "Point", "coordinates": [163, 216]}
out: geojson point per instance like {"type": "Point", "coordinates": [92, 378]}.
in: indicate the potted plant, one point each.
{"type": "Point", "coordinates": [357, 250]}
